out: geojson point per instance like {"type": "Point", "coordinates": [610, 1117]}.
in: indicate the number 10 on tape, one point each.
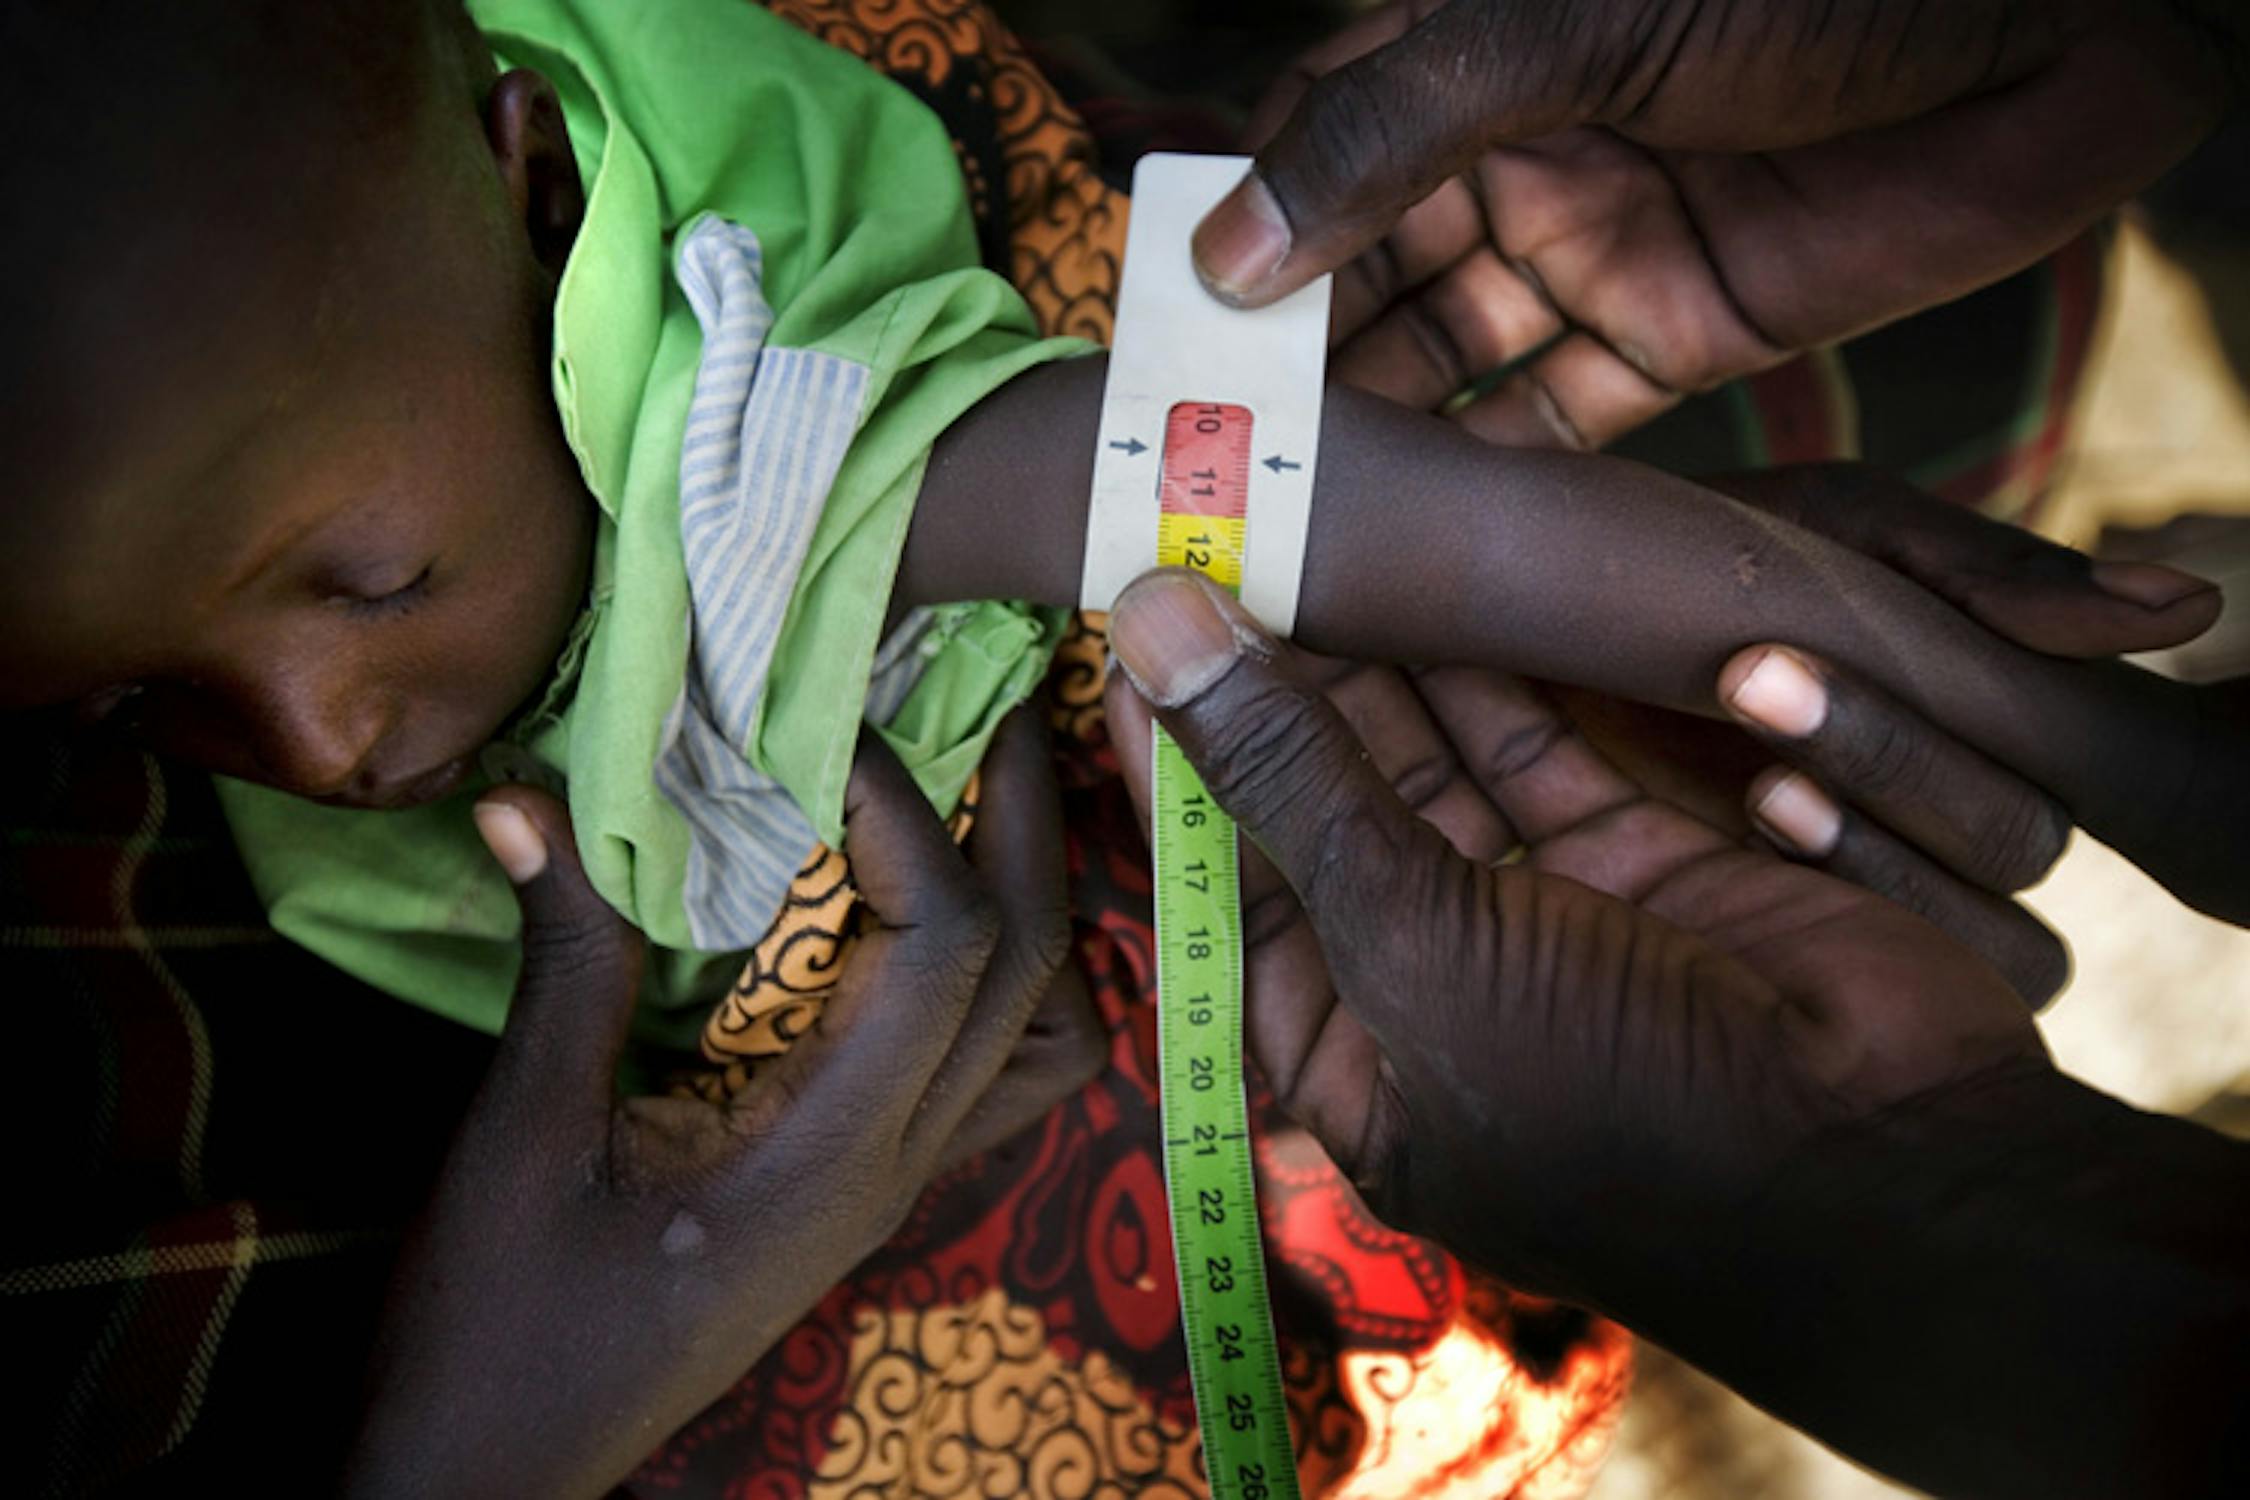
{"type": "Point", "coordinates": [1233, 1358]}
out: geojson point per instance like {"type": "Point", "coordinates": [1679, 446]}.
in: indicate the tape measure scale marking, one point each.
{"type": "Point", "coordinates": [1234, 1359]}
{"type": "Point", "coordinates": [1203, 489]}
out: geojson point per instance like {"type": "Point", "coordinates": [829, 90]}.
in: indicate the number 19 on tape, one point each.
{"type": "Point", "coordinates": [1233, 1357]}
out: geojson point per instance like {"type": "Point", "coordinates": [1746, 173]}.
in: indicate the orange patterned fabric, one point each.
{"type": "Point", "coordinates": [1021, 1334]}
{"type": "Point", "coordinates": [1059, 233]}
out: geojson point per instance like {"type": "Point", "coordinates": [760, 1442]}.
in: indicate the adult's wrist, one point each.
{"type": "Point", "coordinates": [2006, 1285]}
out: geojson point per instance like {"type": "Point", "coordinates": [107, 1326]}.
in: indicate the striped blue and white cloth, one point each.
{"type": "Point", "coordinates": [766, 431]}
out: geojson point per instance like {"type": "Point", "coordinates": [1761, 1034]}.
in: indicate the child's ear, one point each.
{"type": "Point", "coordinates": [523, 123]}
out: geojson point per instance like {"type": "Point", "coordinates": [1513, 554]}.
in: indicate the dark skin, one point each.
{"type": "Point", "coordinates": [1612, 576]}
{"type": "Point", "coordinates": [591, 1271]}
{"type": "Point", "coordinates": [1772, 1121]}
{"type": "Point", "coordinates": [1612, 203]}
{"type": "Point", "coordinates": [364, 580]}
{"type": "Point", "coordinates": [300, 509]}
{"type": "Point", "coordinates": [228, 496]}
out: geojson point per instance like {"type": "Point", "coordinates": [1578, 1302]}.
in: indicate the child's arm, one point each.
{"type": "Point", "coordinates": [1429, 546]}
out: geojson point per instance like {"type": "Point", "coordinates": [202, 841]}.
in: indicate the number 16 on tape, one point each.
{"type": "Point", "coordinates": [1209, 424]}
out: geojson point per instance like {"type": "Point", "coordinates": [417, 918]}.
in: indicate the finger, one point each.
{"type": "Point", "coordinates": [1581, 816]}
{"type": "Point", "coordinates": [1017, 852]}
{"type": "Point", "coordinates": [1408, 749]}
{"type": "Point", "coordinates": [1978, 820]}
{"type": "Point", "coordinates": [1379, 133]}
{"type": "Point", "coordinates": [1430, 237]}
{"type": "Point", "coordinates": [1803, 821]}
{"type": "Point", "coordinates": [1276, 755]}
{"type": "Point", "coordinates": [2036, 592]}
{"type": "Point", "coordinates": [1579, 394]}
{"type": "Point", "coordinates": [910, 981]}
{"type": "Point", "coordinates": [1062, 1049]}
{"type": "Point", "coordinates": [1379, 27]}
{"type": "Point", "coordinates": [1290, 1002]}
{"type": "Point", "coordinates": [581, 967]}
{"type": "Point", "coordinates": [1430, 345]}
{"type": "Point", "coordinates": [1314, 1054]}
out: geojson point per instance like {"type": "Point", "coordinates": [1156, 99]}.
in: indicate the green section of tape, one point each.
{"type": "Point", "coordinates": [1225, 1313]}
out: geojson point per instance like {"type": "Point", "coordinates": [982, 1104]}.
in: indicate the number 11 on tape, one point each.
{"type": "Point", "coordinates": [1196, 393]}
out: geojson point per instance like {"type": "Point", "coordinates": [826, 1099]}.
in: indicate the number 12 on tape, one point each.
{"type": "Point", "coordinates": [1196, 393]}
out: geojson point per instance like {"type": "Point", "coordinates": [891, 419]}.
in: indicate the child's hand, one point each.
{"type": "Point", "coordinates": [1641, 200]}
{"type": "Point", "coordinates": [1940, 827]}
{"type": "Point", "coordinates": [592, 1271]}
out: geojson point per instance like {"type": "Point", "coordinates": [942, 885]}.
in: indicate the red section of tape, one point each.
{"type": "Point", "coordinates": [1206, 460]}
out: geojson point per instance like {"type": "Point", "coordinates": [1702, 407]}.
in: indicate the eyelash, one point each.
{"type": "Point", "coordinates": [398, 600]}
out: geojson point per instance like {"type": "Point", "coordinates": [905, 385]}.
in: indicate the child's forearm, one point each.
{"type": "Point", "coordinates": [1429, 546]}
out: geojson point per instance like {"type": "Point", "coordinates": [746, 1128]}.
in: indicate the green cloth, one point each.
{"type": "Point", "coordinates": [678, 109]}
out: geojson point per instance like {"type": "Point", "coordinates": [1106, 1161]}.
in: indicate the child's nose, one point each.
{"type": "Point", "coordinates": [317, 736]}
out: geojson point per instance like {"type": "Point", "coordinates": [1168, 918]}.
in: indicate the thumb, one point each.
{"type": "Point", "coordinates": [581, 960]}
{"type": "Point", "coordinates": [1275, 754]}
{"type": "Point", "coordinates": [1376, 136]}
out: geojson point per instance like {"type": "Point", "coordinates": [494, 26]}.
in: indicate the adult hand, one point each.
{"type": "Point", "coordinates": [1637, 200]}
{"type": "Point", "coordinates": [592, 1271]}
{"type": "Point", "coordinates": [1762, 1115]}
{"type": "Point", "coordinates": [1620, 1035]}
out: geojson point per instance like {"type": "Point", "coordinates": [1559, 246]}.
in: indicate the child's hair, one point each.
{"type": "Point", "coordinates": [122, 111]}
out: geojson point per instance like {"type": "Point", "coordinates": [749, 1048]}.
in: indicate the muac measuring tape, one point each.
{"type": "Point", "coordinates": [1210, 420]}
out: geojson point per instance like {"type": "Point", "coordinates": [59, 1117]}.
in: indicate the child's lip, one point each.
{"type": "Point", "coordinates": [405, 791]}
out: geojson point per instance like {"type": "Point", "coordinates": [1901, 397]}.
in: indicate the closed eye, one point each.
{"type": "Point", "coordinates": [398, 600]}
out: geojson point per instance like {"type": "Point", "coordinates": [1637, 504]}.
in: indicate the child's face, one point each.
{"type": "Point", "coordinates": [290, 496]}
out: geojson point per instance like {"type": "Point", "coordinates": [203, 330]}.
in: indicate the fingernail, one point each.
{"type": "Point", "coordinates": [1171, 636]}
{"type": "Point", "coordinates": [1782, 694]}
{"type": "Point", "coordinates": [1242, 241]}
{"type": "Point", "coordinates": [2150, 585]}
{"type": "Point", "coordinates": [1795, 813]}
{"type": "Point", "coordinates": [512, 840]}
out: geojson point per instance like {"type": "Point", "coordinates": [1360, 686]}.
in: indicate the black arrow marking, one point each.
{"type": "Point", "coordinates": [1133, 447]}
{"type": "Point", "coordinates": [1277, 463]}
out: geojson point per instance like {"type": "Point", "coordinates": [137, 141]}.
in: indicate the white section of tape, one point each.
{"type": "Point", "coordinates": [1176, 342]}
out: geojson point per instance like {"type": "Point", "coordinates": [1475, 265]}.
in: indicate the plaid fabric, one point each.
{"type": "Point", "coordinates": [204, 1214]}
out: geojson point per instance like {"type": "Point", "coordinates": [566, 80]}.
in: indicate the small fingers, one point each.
{"type": "Point", "coordinates": [2038, 593]}
{"type": "Point", "coordinates": [1411, 752]}
{"type": "Point", "coordinates": [1988, 826]}
{"type": "Point", "coordinates": [1802, 820]}
{"type": "Point", "coordinates": [1289, 1001]}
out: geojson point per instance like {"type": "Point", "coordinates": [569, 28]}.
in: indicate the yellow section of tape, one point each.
{"type": "Point", "coordinates": [1212, 545]}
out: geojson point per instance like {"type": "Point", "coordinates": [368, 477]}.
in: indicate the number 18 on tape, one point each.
{"type": "Point", "coordinates": [1209, 423]}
